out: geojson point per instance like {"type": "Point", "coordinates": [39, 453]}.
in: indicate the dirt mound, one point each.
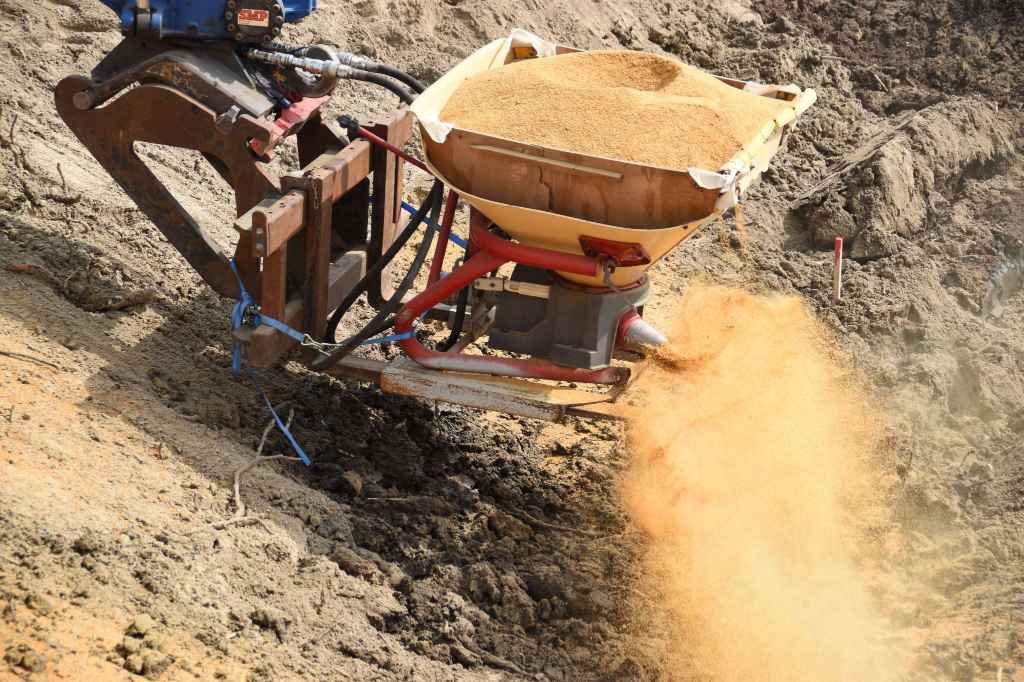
{"type": "Point", "coordinates": [904, 56]}
{"type": "Point", "coordinates": [902, 183]}
{"type": "Point", "coordinates": [677, 116]}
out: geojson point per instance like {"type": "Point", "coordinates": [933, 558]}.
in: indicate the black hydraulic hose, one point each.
{"type": "Point", "coordinates": [366, 64]}
{"type": "Point", "coordinates": [382, 262]}
{"type": "Point", "coordinates": [460, 318]}
{"type": "Point", "coordinates": [384, 319]}
{"type": "Point", "coordinates": [383, 81]}
{"type": "Point", "coordinates": [277, 46]}
{"type": "Point", "coordinates": [398, 74]}
{"type": "Point", "coordinates": [363, 68]}
{"type": "Point", "coordinates": [459, 322]}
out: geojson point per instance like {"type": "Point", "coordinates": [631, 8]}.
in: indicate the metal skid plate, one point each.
{"type": "Point", "coordinates": [512, 396]}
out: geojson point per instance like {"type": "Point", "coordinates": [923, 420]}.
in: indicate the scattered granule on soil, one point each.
{"type": "Point", "coordinates": [631, 106]}
{"type": "Point", "coordinates": [754, 477]}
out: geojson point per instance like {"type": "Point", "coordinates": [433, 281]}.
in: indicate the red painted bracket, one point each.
{"type": "Point", "coordinates": [289, 121]}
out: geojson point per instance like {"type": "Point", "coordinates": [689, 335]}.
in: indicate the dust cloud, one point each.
{"type": "Point", "coordinates": [751, 452]}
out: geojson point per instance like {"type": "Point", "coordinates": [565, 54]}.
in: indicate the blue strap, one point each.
{"type": "Point", "coordinates": [247, 312]}
{"type": "Point", "coordinates": [387, 339]}
{"type": "Point", "coordinates": [260, 318]}
{"type": "Point", "coordinates": [245, 306]}
{"type": "Point", "coordinates": [452, 237]}
{"type": "Point", "coordinates": [245, 303]}
{"type": "Point", "coordinates": [280, 424]}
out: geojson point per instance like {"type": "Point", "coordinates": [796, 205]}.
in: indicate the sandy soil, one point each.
{"type": "Point", "coordinates": [456, 545]}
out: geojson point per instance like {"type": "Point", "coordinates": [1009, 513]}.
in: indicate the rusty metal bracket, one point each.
{"type": "Point", "coordinates": [161, 114]}
{"type": "Point", "coordinates": [388, 181]}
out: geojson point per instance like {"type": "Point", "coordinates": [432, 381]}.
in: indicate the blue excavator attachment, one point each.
{"type": "Point", "coordinates": [243, 21]}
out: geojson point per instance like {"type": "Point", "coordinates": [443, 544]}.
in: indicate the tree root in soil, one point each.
{"type": "Point", "coordinates": [29, 358]}
{"type": "Point", "coordinates": [491, 660]}
{"type": "Point", "coordinates": [85, 297]}
{"type": "Point", "coordinates": [240, 518]}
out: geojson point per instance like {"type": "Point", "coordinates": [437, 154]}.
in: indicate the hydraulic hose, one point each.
{"type": "Point", "coordinates": [383, 81]}
{"type": "Point", "coordinates": [277, 46]}
{"type": "Point", "coordinates": [400, 75]}
{"type": "Point", "coordinates": [385, 316]}
{"type": "Point", "coordinates": [330, 70]}
{"type": "Point", "coordinates": [366, 64]}
{"type": "Point", "coordinates": [459, 322]}
{"type": "Point", "coordinates": [382, 262]}
{"type": "Point", "coordinates": [384, 319]}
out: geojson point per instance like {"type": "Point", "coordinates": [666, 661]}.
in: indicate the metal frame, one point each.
{"type": "Point", "coordinates": [489, 253]}
{"type": "Point", "coordinates": [202, 99]}
{"type": "Point", "coordinates": [312, 237]}
{"type": "Point", "coordinates": [306, 238]}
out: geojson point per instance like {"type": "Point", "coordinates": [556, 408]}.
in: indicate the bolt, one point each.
{"type": "Point", "coordinates": [83, 100]}
{"type": "Point", "coordinates": [229, 15]}
{"type": "Point", "coordinates": [231, 28]}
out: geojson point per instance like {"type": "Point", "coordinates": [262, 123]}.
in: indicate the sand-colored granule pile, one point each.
{"type": "Point", "coordinates": [630, 106]}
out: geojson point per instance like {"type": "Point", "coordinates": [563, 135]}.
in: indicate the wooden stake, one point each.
{"type": "Point", "coordinates": [837, 271]}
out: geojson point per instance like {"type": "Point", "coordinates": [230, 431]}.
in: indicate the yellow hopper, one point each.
{"type": "Point", "coordinates": [549, 197]}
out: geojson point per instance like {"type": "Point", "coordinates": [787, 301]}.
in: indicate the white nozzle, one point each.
{"type": "Point", "coordinates": [638, 333]}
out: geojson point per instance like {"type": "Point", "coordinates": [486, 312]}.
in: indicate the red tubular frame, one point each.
{"type": "Point", "coordinates": [533, 256]}
{"type": "Point", "coordinates": [376, 139]}
{"type": "Point", "coordinates": [493, 253]}
{"type": "Point", "coordinates": [442, 237]}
